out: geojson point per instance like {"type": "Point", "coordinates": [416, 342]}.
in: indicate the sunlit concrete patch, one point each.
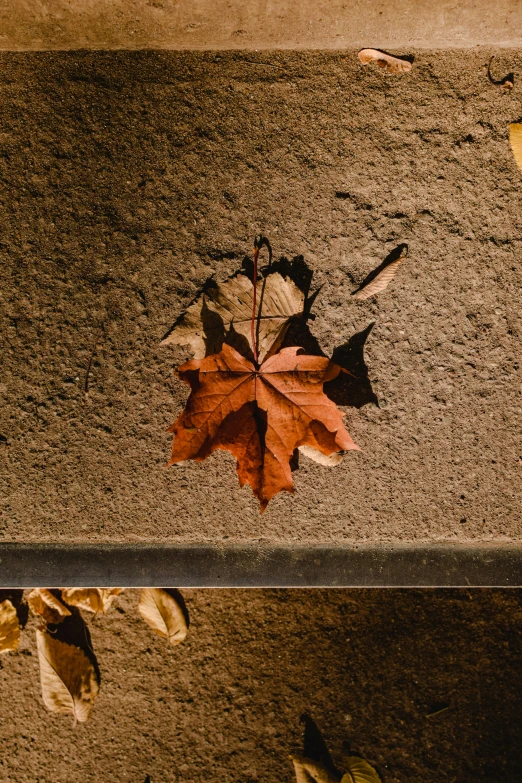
{"type": "Point", "coordinates": [235, 24]}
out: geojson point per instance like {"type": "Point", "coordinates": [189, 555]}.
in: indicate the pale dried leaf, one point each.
{"type": "Point", "coordinates": [359, 771]}
{"type": "Point", "coordinates": [380, 282]}
{"type": "Point", "coordinates": [44, 603]}
{"type": "Point", "coordinates": [9, 627]}
{"type": "Point", "coordinates": [68, 677]}
{"type": "Point", "coordinates": [383, 60]}
{"type": "Point", "coordinates": [515, 139]}
{"type": "Point", "coordinates": [329, 460]}
{"type": "Point", "coordinates": [163, 613]}
{"type": "Point", "coordinates": [92, 599]}
{"type": "Point", "coordinates": [228, 306]}
{"type": "Point", "coordinates": [309, 771]}
{"type": "Point", "coordinates": [301, 775]}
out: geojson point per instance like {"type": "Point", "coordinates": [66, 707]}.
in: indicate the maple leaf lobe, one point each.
{"type": "Point", "coordinates": [259, 415]}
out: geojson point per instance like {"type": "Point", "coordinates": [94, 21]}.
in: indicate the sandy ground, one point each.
{"type": "Point", "coordinates": [424, 684]}
{"type": "Point", "coordinates": [130, 178]}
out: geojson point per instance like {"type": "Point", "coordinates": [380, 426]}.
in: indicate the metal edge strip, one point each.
{"type": "Point", "coordinates": [260, 565]}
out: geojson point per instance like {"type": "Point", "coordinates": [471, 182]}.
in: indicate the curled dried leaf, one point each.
{"type": "Point", "coordinates": [9, 627]}
{"type": "Point", "coordinates": [44, 603]}
{"type": "Point", "coordinates": [163, 613]}
{"type": "Point", "coordinates": [92, 599]}
{"type": "Point", "coordinates": [68, 677]}
{"type": "Point", "coordinates": [309, 771]}
{"type": "Point", "coordinates": [515, 139]}
{"type": "Point", "coordinates": [225, 311]}
{"type": "Point", "coordinates": [328, 460]}
{"type": "Point", "coordinates": [380, 281]}
{"type": "Point", "coordinates": [359, 771]}
{"type": "Point", "coordinates": [384, 60]}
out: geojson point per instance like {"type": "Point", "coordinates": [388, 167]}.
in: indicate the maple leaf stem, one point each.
{"type": "Point", "coordinates": [254, 303]}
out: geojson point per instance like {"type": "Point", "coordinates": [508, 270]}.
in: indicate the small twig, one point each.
{"type": "Point", "coordinates": [508, 81]}
{"type": "Point", "coordinates": [254, 302]}
{"type": "Point", "coordinates": [259, 242]}
{"type": "Point", "coordinates": [94, 347]}
{"type": "Point", "coordinates": [437, 712]}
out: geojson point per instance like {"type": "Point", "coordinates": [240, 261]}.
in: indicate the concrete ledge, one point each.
{"type": "Point", "coordinates": [207, 565]}
{"type": "Point", "coordinates": [261, 24]}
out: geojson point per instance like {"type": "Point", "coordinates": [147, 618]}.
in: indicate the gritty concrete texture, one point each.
{"type": "Point", "coordinates": [130, 178]}
{"type": "Point", "coordinates": [424, 684]}
{"type": "Point", "coordinates": [257, 24]}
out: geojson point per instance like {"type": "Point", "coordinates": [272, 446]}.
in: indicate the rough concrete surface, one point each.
{"type": "Point", "coordinates": [424, 684]}
{"type": "Point", "coordinates": [257, 24]}
{"type": "Point", "coordinates": [130, 178]}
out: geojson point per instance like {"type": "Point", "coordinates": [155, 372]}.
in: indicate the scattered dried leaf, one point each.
{"type": "Point", "coordinates": [260, 415]}
{"type": "Point", "coordinates": [380, 281]}
{"type": "Point", "coordinates": [9, 627]}
{"type": "Point", "coordinates": [163, 613]}
{"type": "Point", "coordinates": [44, 603]}
{"type": "Point", "coordinates": [359, 771]}
{"type": "Point", "coordinates": [515, 139]}
{"type": "Point", "coordinates": [383, 60]}
{"type": "Point", "coordinates": [92, 599]}
{"type": "Point", "coordinates": [309, 771]}
{"type": "Point", "coordinates": [69, 680]}
{"type": "Point", "coordinates": [226, 309]}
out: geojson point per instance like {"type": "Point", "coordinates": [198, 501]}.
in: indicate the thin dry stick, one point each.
{"type": "Point", "coordinates": [253, 324]}
{"type": "Point", "coordinates": [507, 82]}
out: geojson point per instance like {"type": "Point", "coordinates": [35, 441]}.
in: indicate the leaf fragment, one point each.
{"type": "Point", "coordinates": [68, 678]}
{"type": "Point", "coordinates": [92, 599]}
{"type": "Point", "coordinates": [384, 60]}
{"type": "Point", "coordinates": [380, 281]}
{"type": "Point", "coordinates": [224, 312]}
{"type": "Point", "coordinates": [515, 139]}
{"type": "Point", "coordinates": [328, 460]}
{"type": "Point", "coordinates": [359, 771]}
{"type": "Point", "coordinates": [163, 613]}
{"type": "Point", "coordinates": [44, 603]}
{"type": "Point", "coordinates": [9, 627]}
{"type": "Point", "coordinates": [309, 771]}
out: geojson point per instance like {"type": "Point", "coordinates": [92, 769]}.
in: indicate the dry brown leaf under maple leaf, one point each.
{"type": "Point", "coordinates": [9, 627]}
{"type": "Point", "coordinates": [226, 308]}
{"type": "Point", "coordinates": [44, 603]}
{"type": "Point", "coordinates": [69, 680]}
{"type": "Point", "coordinates": [260, 415]}
{"type": "Point", "coordinates": [515, 140]}
{"type": "Point", "coordinates": [162, 612]}
{"type": "Point", "coordinates": [309, 771]}
{"type": "Point", "coordinates": [359, 771]}
{"type": "Point", "coordinates": [92, 599]}
{"type": "Point", "coordinates": [328, 460]}
{"type": "Point", "coordinates": [384, 60]}
{"type": "Point", "coordinates": [380, 281]}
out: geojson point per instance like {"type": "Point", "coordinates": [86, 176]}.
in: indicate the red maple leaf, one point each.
{"type": "Point", "coordinates": [260, 415]}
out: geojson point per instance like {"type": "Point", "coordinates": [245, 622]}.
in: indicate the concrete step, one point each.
{"type": "Point", "coordinates": [130, 178]}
